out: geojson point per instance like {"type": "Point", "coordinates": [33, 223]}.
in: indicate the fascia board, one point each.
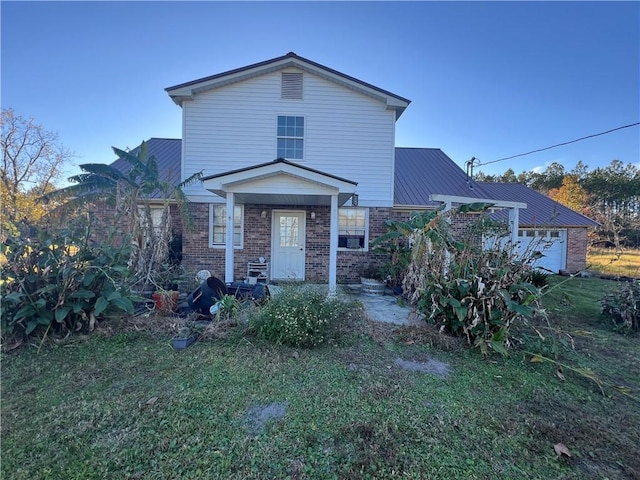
{"type": "Point", "coordinates": [436, 197]}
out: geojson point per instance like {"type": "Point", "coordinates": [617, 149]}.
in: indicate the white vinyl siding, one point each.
{"type": "Point", "coordinates": [346, 133]}
{"type": "Point", "coordinates": [218, 226]}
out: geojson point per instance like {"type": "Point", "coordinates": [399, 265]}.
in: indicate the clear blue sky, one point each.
{"type": "Point", "coordinates": [486, 79]}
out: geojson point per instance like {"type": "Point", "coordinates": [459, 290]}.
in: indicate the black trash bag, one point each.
{"type": "Point", "coordinates": [257, 292]}
{"type": "Point", "coordinates": [206, 295]}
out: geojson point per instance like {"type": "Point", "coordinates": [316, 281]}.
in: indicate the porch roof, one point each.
{"type": "Point", "coordinates": [281, 182]}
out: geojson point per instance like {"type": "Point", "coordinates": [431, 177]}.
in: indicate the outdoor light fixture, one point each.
{"type": "Point", "coordinates": [313, 215]}
{"type": "Point", "coordinates": [263, 214]}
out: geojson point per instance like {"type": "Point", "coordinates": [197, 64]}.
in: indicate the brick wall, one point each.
{"type": "Point", "coordinates": [351, 264]}
{"type": "Point", "coordinates": [464, 228]}
{"type": "Point", "coordinates": [105, 227]}
{"type": "Point", "coordinates": [576, 249]}
{"type": "Point", "coordinates": [257, 243]}
{"type": "Point", "coordinates": [257, 240]}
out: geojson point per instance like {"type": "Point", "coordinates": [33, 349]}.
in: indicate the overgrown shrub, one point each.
{"type": "Point", "coordinates": [299, 316]}
{"type": "Point", "coordinates": [464, 287]}
{"type": "Point", "coordinates": [60, 282]}
{"type": "Point", "coordinates": [622, 307]}
{"type": "Point", "coordinates": [537, 277]}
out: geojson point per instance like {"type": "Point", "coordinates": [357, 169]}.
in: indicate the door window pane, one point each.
{"type": "Point", "coordinates": [288, 231]}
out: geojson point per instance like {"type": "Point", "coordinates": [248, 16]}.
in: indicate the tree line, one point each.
{"type": "Point", "coordinates": [610, 195]}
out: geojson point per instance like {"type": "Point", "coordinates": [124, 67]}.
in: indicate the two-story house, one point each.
{"type": "Point", "coordinates": [311, 213]}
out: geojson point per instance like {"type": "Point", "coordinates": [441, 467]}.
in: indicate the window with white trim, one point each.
{"type": "Point", "coordinates": [290, 132]}
{"type": "Point", "coordinates": [218, 225]}
{"type": "Point", "coordinates": [353, 228]}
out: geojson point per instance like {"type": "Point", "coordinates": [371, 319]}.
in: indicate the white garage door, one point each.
{"type": "Point", "coordinates": [551, 243]}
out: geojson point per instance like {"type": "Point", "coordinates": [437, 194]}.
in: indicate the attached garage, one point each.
{"type": "Point", "coordinates": [546, 223]}
{"type": "Point", "coordinates": [552, 243]}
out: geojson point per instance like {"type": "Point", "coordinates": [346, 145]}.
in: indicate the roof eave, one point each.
{"type": "Point", "coordinates": [186, 91]}
{"type": "Point", "coordinates": [458, 199]}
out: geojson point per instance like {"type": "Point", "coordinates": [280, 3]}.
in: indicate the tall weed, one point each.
{"type": "Point", "coordinates": [60, 282]}
{"type": "Point", "coordinates": [465, 287]}
{"type": "Point", "coordinates": [622, 307]}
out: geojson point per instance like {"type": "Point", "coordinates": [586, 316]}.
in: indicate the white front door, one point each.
{"type": "Point", "coordinates": [288, 236]}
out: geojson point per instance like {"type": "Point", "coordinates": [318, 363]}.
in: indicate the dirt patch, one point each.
{"type": "Point", "coordinates": [366, 446]}
{"type": "Point", "coordinates": [429, 334]}
{"type": "Point", "coordinates": [258, 416]}
{"type": "Point", "coordinates": [432, 366]}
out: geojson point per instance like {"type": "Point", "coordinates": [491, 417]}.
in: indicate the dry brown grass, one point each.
{"type": "Point", "coordinates": [609, 262]}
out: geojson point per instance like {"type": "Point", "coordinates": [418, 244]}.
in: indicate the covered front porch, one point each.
{"type": "Point", "coordinates": [291, 206]}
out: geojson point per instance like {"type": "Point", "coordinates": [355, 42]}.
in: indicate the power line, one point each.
{"type": "Point", "coordinates": [558, 145]}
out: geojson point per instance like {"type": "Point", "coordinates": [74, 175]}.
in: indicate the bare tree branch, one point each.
{"type": "Point", "coordinates": [32, 161]}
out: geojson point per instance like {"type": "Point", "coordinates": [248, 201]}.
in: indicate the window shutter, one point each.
{"type": "Point", "coordinates": [292, 86]}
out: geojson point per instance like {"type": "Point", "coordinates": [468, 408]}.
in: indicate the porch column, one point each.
{"type": "Point", "coordinates": [514, 223]}
{"type": "Point", "coordinates": [333, 245]}
{"type": "Point", "coordinates": [448, 206]}
{"type": "Point", "coordinates": [228, 257]}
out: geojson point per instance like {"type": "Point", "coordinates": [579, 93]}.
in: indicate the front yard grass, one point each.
{"type": "Point", "coordinates": [125, 405]}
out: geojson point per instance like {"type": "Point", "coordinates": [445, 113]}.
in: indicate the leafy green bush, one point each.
{"type": "Point", "coordinates": [481, 298]}
{"type": "Point", "coordinates": [60, 282]}
{"type": "Point", "coordinates": [465, 288]}
{"type": "Point", "coordinates": [299, 316]}
{"type": "Point", "coordinates": [623, 307]}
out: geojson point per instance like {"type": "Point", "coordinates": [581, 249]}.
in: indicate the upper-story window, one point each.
{"type": "Point", "coordinates": [290, 137]}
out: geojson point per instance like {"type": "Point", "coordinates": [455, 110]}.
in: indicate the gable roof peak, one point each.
{"type": "Point", "coordinates": [187, 91]}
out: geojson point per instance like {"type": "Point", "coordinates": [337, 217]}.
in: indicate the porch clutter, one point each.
{"type": "Point", "coordinates": [212, 290]}
{"type": "Point", "coordinates": [258, 272]}
{"type": "Point", "coordinates": [206, 295]}
{"type": "Point", "coordinates": [373, 281]}
{"type": "Point", "coordinates": [165, 301]}
{"type": "Point", "coordinates": [183, 339]}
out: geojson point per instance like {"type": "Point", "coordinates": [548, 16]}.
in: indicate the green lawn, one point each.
{"type": "Point", "coordinates": [125, 405]}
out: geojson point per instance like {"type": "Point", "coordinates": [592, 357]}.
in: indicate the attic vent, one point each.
{"type": "Point", "coordinates": [292, 86]}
